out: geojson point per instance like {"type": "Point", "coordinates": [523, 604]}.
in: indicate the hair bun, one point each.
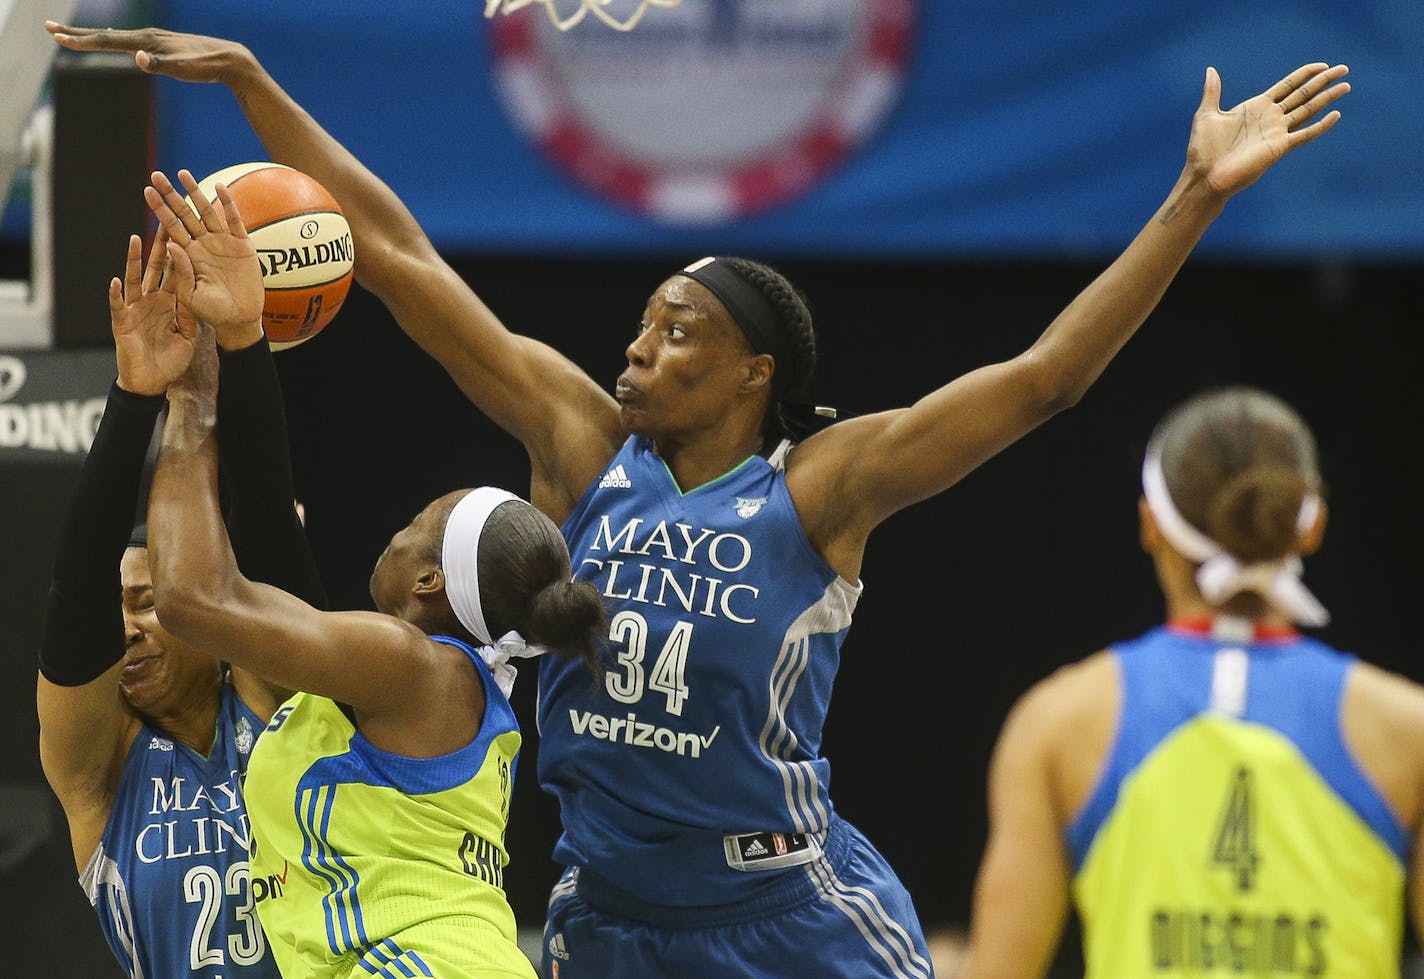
{"type": "Point", "coordinates": [1254, 514]}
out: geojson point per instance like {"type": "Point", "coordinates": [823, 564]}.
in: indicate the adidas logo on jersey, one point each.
{"type": "Point", "coordinates": [755, 849]}
{"type": "Point", "coordinates": [615, 478]}
{"type": "Point", "coordinates": [160, 744]}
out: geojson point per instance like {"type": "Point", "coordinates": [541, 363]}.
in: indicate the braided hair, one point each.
{"type": "Point", "coordinates": [791, 382]}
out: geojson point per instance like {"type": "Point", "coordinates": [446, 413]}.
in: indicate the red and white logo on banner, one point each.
{"type": "Point", "coordinates": [709, 110]}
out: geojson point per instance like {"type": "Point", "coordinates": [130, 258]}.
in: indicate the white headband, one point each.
{"type": "Point", "coordinates": [460, 556]}
{"type": "Point", "coordinates": [1220, 575]}
{"type": "Point", "coordinates": [460, 559]}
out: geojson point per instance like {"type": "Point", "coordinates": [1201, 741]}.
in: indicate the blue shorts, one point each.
{"type": "Point", "coordinates": [843, 916]}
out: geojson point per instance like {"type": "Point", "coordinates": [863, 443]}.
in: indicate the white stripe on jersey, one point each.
{"type": "Point", "coordinates": [829, 615]}
{"type": "Point", "coordinates": [101, 880]}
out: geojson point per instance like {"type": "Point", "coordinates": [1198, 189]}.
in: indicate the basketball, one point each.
{"type": "Point", "coordinates": [302, 240]}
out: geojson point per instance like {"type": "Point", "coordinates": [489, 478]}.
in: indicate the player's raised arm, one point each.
{"type": "Point", "coordinates": [901, 457]}
{"type": "Point", "coordinates": [85, 724]}
{"type": "Point", "coordinates": [372, 662]}
{"type": "Point", "coordinates": [213, 253]}
{"type": "Point", "coordinates": [524, 386]}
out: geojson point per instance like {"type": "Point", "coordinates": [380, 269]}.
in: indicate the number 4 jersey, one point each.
{"type": "Point", "coordinates": [1232, 832]}
{"type": "Point", "coordinates": [725, 635]}
{"type": "Point", "coordinates": [169, 878]}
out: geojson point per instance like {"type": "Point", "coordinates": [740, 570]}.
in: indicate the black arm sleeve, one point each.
{"type": "Point", "coordinates": [267, 536]}
{"type": "Point", "coordinates": [84, 627]}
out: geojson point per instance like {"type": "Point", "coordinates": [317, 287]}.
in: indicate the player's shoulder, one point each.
{"type": "Point", "coordinates": [1390, 696]}
{"type": "Point", "coordinates": [1072, 696]}
{"type": "Point", "coordinates": [1081, 681]}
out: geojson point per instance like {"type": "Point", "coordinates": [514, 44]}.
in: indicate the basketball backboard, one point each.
{"type": "Point", "coordinates": [26, 137]}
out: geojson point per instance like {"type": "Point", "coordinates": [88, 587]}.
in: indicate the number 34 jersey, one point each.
{"type": "Point", "coordinates": [725, 635]}
{"type": "Point", "coordinates": [1232, 832]}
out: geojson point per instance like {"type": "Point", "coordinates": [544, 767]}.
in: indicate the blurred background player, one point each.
{"type": "Point", "coordinates": [1220, 795]}
{"type": "Point", "coordinates": [379, 797]}
{"type": "Point", "coordinates": [143, 737]}
{"type": "Point", "coordinates": [697, 825]}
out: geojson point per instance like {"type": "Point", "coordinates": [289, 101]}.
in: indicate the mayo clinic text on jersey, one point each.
{"type": "Point", "coordinates": [630, 580]}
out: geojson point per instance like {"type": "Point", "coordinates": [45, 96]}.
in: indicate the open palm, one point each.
{"type": "Point", "coordinates": [227, 291]}
{"type": "Point", "coordinates": [1232, 148]}
{"type": "Point", "coordinates": [154, 335]}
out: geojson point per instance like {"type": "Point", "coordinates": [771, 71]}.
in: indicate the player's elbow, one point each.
{"type": "Point", "coordinates": [1049, 387]}
{"type": "Point", "coordinates": [392, 268]}
{"type": "Point", "coordinates": [189, 608]}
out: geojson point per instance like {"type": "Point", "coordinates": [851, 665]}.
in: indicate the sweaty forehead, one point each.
{"type": "Point", "coordinates": [133, 569]}
{"type": "Point", "coordinates": [681, 293]}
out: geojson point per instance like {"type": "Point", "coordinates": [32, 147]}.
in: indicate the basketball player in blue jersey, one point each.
{"type": "Point", "coordinates": [379, 794]}
{"type": "Point", "coordinates": [1221, 796]}
{"type": "Point", "coordinates": [144, 738]}
{"type": "Point", "coordinates": [698, 832]}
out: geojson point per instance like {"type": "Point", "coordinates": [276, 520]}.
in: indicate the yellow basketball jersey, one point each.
{"type": "Point", "coordinates": [1232, 833]}
{"type": "Point", "coordinates": [366, 863]}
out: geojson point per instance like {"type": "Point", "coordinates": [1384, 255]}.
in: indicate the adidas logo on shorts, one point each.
{"type": "Point", "coordinates": [615, 478]}
{"type": "Point", "coordinates": [556, 947]}
{"type": "Point", "coordinates": [755, 849]}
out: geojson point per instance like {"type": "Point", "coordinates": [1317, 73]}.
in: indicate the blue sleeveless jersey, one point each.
{"type": "Point", "coordinates": [169, 878]}
{"type": "Point", "coordinates": [725, 635]}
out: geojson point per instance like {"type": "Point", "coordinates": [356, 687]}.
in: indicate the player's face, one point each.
{"type": "Point", "coordinates": [405, 559]}
{"type": "Point", "coordinates": [685, 365]}
{"type": "Point", "coordinates": [159, 670]}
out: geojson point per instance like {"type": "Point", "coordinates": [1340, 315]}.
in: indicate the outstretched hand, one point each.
{"type": "Point", "coordinates": [187, 57]}
{"type": "Point", "coordinates": [154, 334]}
{"type": "Point", "coordinates": [1232, 148]}
{"type": "Point", "coordinates": [226, 285]}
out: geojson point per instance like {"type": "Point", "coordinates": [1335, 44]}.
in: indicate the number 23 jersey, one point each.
{"type": "Point", "coordinates": [169, 878]}
{"type": "Point", "coordinates": [725, 634]}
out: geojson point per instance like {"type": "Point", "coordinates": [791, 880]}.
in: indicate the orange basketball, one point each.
{"type": "Point", "coordinates": [303, 241]}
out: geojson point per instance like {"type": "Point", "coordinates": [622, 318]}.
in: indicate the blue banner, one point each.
{"type": "Point", "coordinates": [1011, 129]}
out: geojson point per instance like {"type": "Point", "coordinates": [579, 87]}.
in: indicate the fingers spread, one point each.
{"type": "Point", "coordinates": [157, 262]}
{"type": "Point", "coordinates": [1319, 128]}
{"type": "Point", "coordinates": [1318, 102]}
{"type": "Point", "coordinates": [167, 220]}
{"type": "Point", "coordinates": [182, 222]}
{"type": "Point", "coordinates": [211, 217]}
{"type": "Point", "coordinates": [229, 207]}
{"type": "Point", "coordinates": [1312, 87]}
{"type": "Point", "coordinates": [1295, 80]}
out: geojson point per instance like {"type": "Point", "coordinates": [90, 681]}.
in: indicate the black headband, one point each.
{"type": "Point", "coordinates": [754, 314]}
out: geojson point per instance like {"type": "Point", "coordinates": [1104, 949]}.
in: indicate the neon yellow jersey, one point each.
{"type": "Point", "coordinates": [366, 863]}
{"type": "Point", "coordinates": [1232, 833]}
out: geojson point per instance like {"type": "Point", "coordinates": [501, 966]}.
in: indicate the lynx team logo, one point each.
{"type": "Point", "coordinates": [746, 509]}
{"type": "Point", "coordinates": [708, 110]}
